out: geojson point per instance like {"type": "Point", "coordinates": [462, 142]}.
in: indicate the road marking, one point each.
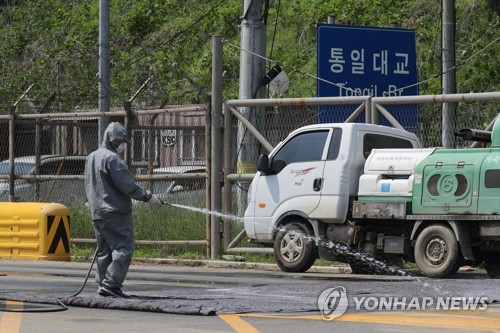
{"type": "Point", "coordinates": [11, 321]}
{"type": "Point", "coordinates": [470, 320]}
{"type": "Point", "coordinates": [239, 325]}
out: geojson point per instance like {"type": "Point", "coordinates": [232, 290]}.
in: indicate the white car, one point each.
{"type": "Point", "coordinates": [179, 190]}
{"type": "Point", "coordinates": [63, 191]}
{"type": "Point", "coordinates": [188, 184]}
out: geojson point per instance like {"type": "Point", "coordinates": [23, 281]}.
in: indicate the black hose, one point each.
{"type": "Point", "coordinates": [87, 277]}
{"type": "Point", "coordinates": [60, 306]}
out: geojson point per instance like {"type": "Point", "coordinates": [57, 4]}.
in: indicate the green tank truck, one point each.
{"type": "Point", "coordinates": [439, 207]}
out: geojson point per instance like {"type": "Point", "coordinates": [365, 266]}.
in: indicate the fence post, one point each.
{"type": "Point", "coordinates": [12, 152]}
{"type": "Point", "coordinates": [228, 134]}
{"type": "Point", "coordinates": [369, 111]}
{"type": "Point", "coordinates": [216, 144]}
{"type": "Point", "coordinates": [208, 163]}
{"type": "Point", "coordinates": [38, 153]}
{"type": "Point", "coordinates": [127, 105]}
{"type": "Point", "coordinates": [375, 119]}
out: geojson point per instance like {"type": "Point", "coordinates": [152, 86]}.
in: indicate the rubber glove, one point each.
{"type": "Point", "coordinates": [155, 201]}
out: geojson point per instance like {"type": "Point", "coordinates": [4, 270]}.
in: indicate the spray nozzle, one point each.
{"type": "Point", "coordinates": [164, 203]}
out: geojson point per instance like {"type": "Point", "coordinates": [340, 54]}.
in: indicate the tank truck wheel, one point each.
{"type": "Point", "coordinates": [437, 251]}
{"type": "Point", "coordinates": [492, 265]}
{"type": "Point", "coordinates": [294, 248]}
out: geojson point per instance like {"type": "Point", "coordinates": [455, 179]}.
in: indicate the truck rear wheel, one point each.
{"type": "Point", "coordinates": [492, 265]}
{"type": "Point", "coordinates": [437, 251]}
{"type": "Point", "coordinates": [294, 248]}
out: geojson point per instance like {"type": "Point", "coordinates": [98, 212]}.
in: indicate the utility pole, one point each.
{"type": "Point", "coordinates": [449, 75]}
{"type": "Point", "coordinates": [252, 70]}
{"type": "Point", "coordinates": [104, 82]}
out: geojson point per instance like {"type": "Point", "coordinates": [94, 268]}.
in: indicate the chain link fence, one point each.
{"type": "Point", "coordinates": [167, 155]}
{"type": "Point", "coordinates": [418, 114]}
{"type": "Point", "coordinates": [170, 155]}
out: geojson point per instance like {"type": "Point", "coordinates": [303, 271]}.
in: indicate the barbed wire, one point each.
{"type": "Point", "coordinates": [463, 62]}
{"type": "Point", "coordinates": [175, 36]}
{"type": "Point", "coordinates": [91, 50]}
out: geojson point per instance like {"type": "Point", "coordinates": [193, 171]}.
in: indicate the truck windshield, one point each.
{"type": "Point", "coordinates": [304, 147]}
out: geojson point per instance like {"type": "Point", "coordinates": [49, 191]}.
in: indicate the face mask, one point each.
{"type": "Point", "coordinates": [121, 148]}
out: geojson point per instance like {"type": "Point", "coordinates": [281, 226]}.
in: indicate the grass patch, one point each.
{"type": "Point", "coordinates": [162, 224]}
{"type": "Point", "coordinates": [409, 265]}
{"type": "Point", "coordinates": [150, 223]}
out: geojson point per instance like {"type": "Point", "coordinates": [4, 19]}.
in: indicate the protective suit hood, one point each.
{"type": "Point", "coordinates": [109, 185]}
{"type": "Point", "coordinates": [114, 134]}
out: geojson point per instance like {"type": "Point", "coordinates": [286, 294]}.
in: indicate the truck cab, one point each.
{"type": "Point", "coordinates": [308, 182]}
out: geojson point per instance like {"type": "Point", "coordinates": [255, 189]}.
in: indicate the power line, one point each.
{"type": "Point", "coordinates": [175, 36]}
{"type": "Point", "coordinates": [294, 69]}
{"type": "Point", "coordinates": [357, 92]}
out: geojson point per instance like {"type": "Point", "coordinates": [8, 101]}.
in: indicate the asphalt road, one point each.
{"type": "Point", "coordinates": [199, 299]}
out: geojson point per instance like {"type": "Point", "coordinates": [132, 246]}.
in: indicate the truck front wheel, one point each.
{"type": "Point", "coordinates": [294, 248]}
{"type": "Point", "coordinates": [437, 251]}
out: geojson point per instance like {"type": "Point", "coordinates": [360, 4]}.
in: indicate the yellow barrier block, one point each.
{"type": "Point", "coordinates": [246, 168]}
{"type": "Point", "coordinates": [34, 230]}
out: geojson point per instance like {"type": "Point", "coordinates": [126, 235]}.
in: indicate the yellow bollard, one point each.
{"type": "Point", "coordinates": [34, 231]}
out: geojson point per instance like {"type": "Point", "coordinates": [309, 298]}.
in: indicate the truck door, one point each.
{"type": "Point", "coordinates": [296, 181]}
{"type": "Point", "coordinates": [489, 184]}
{"type": "Point", "coordinates": [336, 182]}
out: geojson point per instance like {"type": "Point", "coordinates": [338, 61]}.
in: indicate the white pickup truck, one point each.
{"type": "Point", "coordinates": [372, 189]}
{"type": "Point", "coordinates": [307, 185]}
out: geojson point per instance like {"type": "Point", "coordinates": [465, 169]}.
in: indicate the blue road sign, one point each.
{"type": "Point", "coordinates": [366, 61]}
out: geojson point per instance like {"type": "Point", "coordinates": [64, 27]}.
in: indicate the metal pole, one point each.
{"type": "Point", "coordinates": [149, 101]}
{"type": "Point", "coordinates": [104, 81]}
{"type": "Point", "coordinates": [420, 99]}
{"type": "Point", "coordinates": [12, 152]}
{"type": "Point", "coordinates": [38, 153]}
{"type": "Point", "coordinates": [208, 161]}
{"type": "Point", "coordinates": [448, 67]}
{"type": "Point", "coordinates": [369, 111]}
{"type": "Point", "coordinates": [253, 130]}
{"type": "Point", "coordinates": [331, 20]}
{"type": "Point", "coordinates": [216, 147]}
{"type": "Point", "coordinates": [359, 110]}
{"type": "Point", "coordinates": [252, 69]}
{"type": "Point", "coordinates": [389, 116]}
{"type": "Point", "coordinates": [151, 141]}
{"type": "Point", "coordinates": [128, 123]}
{"type": "Point", "coordinates": [228, 136]}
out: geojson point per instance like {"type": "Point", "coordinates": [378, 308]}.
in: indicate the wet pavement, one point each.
{"type": "Point", "coordinates": [212, 291]}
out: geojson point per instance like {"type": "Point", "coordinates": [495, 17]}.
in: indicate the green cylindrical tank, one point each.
{"type": "Point", "coordinates": [447, 182]}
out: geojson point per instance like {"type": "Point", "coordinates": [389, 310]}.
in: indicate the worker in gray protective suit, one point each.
{"type": "Point", "coordinates": [109, 186]}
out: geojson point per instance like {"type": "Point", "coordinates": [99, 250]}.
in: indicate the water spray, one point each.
{"type": "Point", "coordinates": [342, 251]}
{"type": "Point", "coordinates": [205, 211]}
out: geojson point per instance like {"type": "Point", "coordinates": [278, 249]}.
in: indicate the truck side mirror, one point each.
{"type": "Point", "coordinates": [263, 164]}
{"type": "Point", "coordinates": [277, 166]}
